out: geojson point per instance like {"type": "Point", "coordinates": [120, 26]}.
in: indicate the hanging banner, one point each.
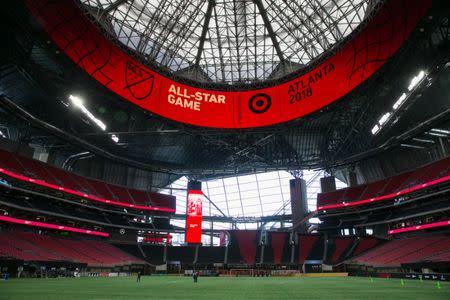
{"type": "Point", "coordinates": [194, 217]}
{"type": "Point", "coordinates": [335, 77]}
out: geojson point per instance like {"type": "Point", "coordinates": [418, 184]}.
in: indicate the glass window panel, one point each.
{"type": "Point", "coordinates": [273, 195]}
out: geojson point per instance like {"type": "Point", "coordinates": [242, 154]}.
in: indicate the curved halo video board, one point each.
{"type": "Point", "coordinates": [88, 47]}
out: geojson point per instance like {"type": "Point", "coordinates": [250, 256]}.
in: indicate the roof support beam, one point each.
{"type": "Point", "coordinates": [114, 5]}
{"type": "Point", "coordinates": [209, 9]}
{"type": "Point", "coordinates": [210, 201]}
{"type": "Point", "coordinates": [263, 13]}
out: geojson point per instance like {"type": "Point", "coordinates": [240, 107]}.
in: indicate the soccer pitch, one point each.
{"type": "Point", "coordinates": [213, 288]}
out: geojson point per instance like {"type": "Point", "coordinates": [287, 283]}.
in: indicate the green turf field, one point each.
{"type": "Point", "coordinates": [168, 287]}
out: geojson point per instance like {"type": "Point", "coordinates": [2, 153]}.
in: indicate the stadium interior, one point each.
{"type": "Point", "coordinates": [226, 138]}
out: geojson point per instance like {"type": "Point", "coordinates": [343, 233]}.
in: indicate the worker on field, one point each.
{"type": "Point", "coordinates": [138, 279]}
{"type": "Point", "coordinates": [19, 271]}
{"type": "Point", "coordinates": [195, 276]}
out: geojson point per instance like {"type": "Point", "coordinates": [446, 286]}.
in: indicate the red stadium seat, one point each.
{"type": "Point", "coordinates": [38, 170]}
{"type": "Point", "coordinates": [33, 247]}
{"type": "Point", "coordinates": [386, 186]}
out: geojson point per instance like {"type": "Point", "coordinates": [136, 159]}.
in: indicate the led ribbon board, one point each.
{"type": "Point", "coordinates": [336, 76]}
{"type": "Point", "coordinates": [194, 217]}
{"type": "Point", "coordinates": [84, 195]}
{"type": "Point", "coordinates": [52, 226]}
{"type": "Point", "coordinates": [385, 196]}
{"type": "Point", "coordinates": [420, 227]}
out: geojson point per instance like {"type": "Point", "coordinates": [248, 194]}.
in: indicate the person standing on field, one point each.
{"type": "Point", "coordinates": [19, 271]}
{"type": "Point", "coordinates": [138, 279]}
{"type": "Point", "coordinates": [195, 276]}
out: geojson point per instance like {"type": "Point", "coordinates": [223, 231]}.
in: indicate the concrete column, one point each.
{"type": "Point", "coordinates": [299, 200]}
{"type": "Point", "coordinates": [352, 179]}
{"type": "Point", "coordinates": [327, 184]}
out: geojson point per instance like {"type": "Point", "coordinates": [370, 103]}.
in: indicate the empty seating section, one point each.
{"type": "Point", "coordinates": [341, 245]}
{"type": "Point", "coordinates": [330, 198]}
{"type": "Point", "coordinates": [306, 243]}
{"type": "Point", "coordinates": [113, 252]}
{"type": "Point", "coordinates": [389, 185]}
{"type": "Point", "coordinates": [162, 200]}
{"type": "Point", "coordinates": [85, 184]}
{"type": "Point", "coordinates": [443, 256]}
{"type": "Point", "coordinates": [373, 189]}
{"type": "Point", "coordinates": [44, 172]}
{"type": "Point", "coordinates": [34, 169]}
{"type": "Point", "coordinates": [140, 197]}
{"type": "Point", "coordinates": [8, 250]}
{"type": "Point", "coordinates": [408, 250]}
{"type": "Point", "coordinates": [394, 183]}
{"type": "Point", "coordinates": [132, 249]}
{"type": "Point", "coordinates": [365, 244]}
{"type": "Point", "coordinates": [21, 249]}
{"type": "Point", "coordinates": [423, 249]}
{"type": "Point", "coordinates": [8, 161]}
{"type": "Point", "coordinates": [33, 247]}
{"type": "Point", "coordinates": [64, 178]}
{"type": "Point", "coordinates": [121, 193]}
{"type": "Point", "coordinates": [354, 193]}
{"type": "Point", "coordinates": [59, 246]}
{"type": "Point", "coordinates": [432, 171]}
{"type": "Point", "coordinates": [102, 189]}
{"type": "Point", "coordinates": [382, 251]}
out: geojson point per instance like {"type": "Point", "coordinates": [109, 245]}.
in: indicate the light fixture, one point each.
{"type": "Point", "coordinates": [2, 134]}
{"type": "Point", "coordinates": [423, 140]}
{"type": "Point", "coordinates": [115, 138]}
{"type": "Point", "coordinates": [443, 131]}
{"type": "Point", "coordinates": [384, 118]}
{"type": "Point", "coordinates": [375, 129]}
{"type": "Point", "coordinates": [400, 101]}
{"type": "Point", "coordinates": [416, 80]}
{"type": "Point", "coordinates": [412, 146]}
{"type": "Point", "coordinates": [79, 103]}
{"type": "Point", "coordinates": [76, 101]}
{"type": "Point", "coordinates": [437, 134]}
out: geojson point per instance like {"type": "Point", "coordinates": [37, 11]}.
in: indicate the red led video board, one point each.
{"type": "Point", "coordinates": [194, 217]}
{"type": "Point", "coordinates": [364, 54]}
{"type": "Point", "coordinates": [52, 226]}
{"type": "Point", "coordinates": [420, 227]}
{"type": "Point", "coordinates": [83, 194]}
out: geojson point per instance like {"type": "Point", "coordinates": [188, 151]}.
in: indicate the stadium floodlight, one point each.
{"type": "Point", "coordinates": [76, 101]}
{"type": "Point", "coordinates": [115, 138]}
{"type": "Point", "coordinates": [375, 129]}
{"type": "Point", "coordinates": [369, 231]}
{"type": "Point", "coordinates": [314, 221]}
{"type": "Point", "coordinates": [2, 134]}
{"type": "Point", "coordinates": [443, 131]}
{"type": "Point", "coordinates": [423, 140]}
{"type": "Point", "coordinates": [416, 80]}
{"type": "Point", "coordinates": [400, 101]}
{"type": "Point", "coordinates": [437, 134]}
{"type": "Point", "coordinates": [384, 118]}
{"type": "Point", "coordinates": [412, 146]}
{"type": "Point", "coordinates": [79, 103]}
